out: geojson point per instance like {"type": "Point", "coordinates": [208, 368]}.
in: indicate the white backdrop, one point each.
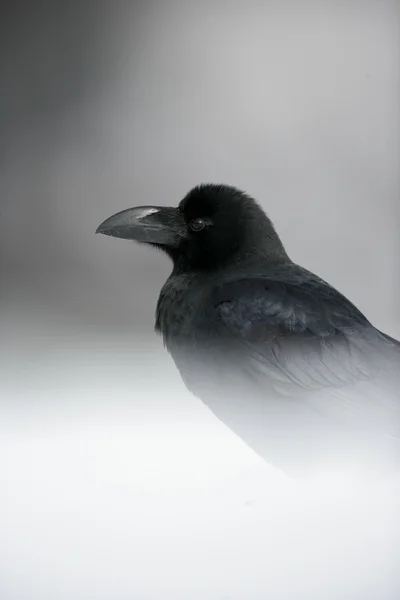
{"type": "Point", "coordinates": [115, 482]}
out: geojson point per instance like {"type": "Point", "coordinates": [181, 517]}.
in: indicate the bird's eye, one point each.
{"type": "Point", "coordinates": [197, 224]}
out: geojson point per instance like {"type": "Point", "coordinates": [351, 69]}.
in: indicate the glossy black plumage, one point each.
{"type": "Point", "coordinates": [281, 357]}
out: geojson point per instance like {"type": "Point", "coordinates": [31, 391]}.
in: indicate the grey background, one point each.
{"type": "Point", "coordinates": [106, 461]}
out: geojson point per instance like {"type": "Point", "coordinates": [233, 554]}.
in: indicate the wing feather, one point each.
{"type": "Point", "coordinates": [300, 338]}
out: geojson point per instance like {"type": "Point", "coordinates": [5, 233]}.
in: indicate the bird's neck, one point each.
{"type": "Point", "coordinates": [248, 259]}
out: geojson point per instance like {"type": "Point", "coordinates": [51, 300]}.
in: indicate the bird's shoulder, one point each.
{"type": "Point", "coordinates": [288, 300]}
{"type": "Point", "coordinates": [286, 333]}
{"type": "Point", "coordinates": [293, 322]}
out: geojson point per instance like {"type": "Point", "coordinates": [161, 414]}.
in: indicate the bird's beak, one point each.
{"type": "Point", "coordinates": [148, 224]}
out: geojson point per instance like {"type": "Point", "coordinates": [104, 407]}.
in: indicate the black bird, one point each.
{"type": "Point", "coordinates": [281, 357]}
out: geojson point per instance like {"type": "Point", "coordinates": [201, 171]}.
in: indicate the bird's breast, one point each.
{"type": "Point", "coordinates": [177, 308]}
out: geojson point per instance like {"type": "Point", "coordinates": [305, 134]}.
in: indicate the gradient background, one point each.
{"type": "Point", "coordinates": [115, 482]}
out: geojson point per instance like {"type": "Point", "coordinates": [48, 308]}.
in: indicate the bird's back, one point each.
{"type": "Point", "coordinates": [290, 365]}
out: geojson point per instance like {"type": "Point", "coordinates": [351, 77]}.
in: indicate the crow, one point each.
{"type": "Point", "coordinates": [281, 357]}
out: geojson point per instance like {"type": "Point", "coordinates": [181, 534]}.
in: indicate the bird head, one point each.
{"type": "Point", "coordinates": [213, 225]}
